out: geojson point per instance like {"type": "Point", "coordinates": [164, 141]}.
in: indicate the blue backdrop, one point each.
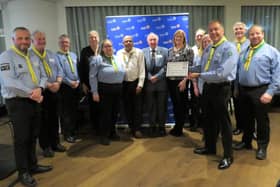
{"type": "Point", "coordinates": [139, 26]}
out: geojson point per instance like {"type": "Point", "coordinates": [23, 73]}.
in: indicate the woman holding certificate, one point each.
{"type": "Point", "coordinates": [182, 55]}
{"type": "Point", "coordinates": [106, 76]}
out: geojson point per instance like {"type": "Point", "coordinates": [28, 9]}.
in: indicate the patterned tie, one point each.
{"type": "Point", "coordinates": [29, 65]}
{"type": "Point", "coordinates": [153, 61]}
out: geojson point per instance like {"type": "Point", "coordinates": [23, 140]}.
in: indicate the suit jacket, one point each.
{"type": "Point", "coordinates": [161, 56]}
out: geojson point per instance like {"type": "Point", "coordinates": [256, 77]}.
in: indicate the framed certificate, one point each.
{"type": "Point", "coordinates": [177, 69]}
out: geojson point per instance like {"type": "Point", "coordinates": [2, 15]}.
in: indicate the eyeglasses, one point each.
{"type": "Point", "coordinates": [128, 41]}
{"type": "Point", "coordinates": [107, 46]}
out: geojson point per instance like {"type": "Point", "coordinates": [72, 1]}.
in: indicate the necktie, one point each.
{"type": "Point", "coordinates": [44, 60]}
{"type": "Point", "coordinates": [113, 62]}
{"type": "Point", "coordinates": [212, 51]}
{"type": "Point", "coordinates": [29, 65]}
{"type": "Point", "coordinates": [153, 61]}
{"type": "Point", "coordinates": [252, 51]}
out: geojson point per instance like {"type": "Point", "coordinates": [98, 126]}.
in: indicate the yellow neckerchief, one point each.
{"type": "Point", "coordinates": [113, 62]}
{"type": "Point", "coordinates": [239, 42]}
{"type": "Point", "coordinates": [213, 48]}
{"type": "Point", "coordinates": [252, 51]}
{"type": "Point", "coordinates": [68, 59]}
{"type": "Point", "coordinates": [44, 60]}
{"type": "Point", "coordinates": [29, 65]}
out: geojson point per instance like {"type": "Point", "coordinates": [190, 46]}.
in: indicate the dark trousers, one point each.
{"type": "Point", "coordinates": [252, 110]}
{"type": "Point", "coordinates": [179, 101]}
{"type": "Point", "coordinates": [93, 112]}
{"type": "Point", "coordinates": [215, 102]}
{"type": "Point", "coordinates": [157, 107]}
{"type": "Point", "coordinates": [193, 106]}
{"type": "Point", "coordinates": [132, 105]}
{"type": "Point", "coordinates": [25, 116]}
{"type": "Point", "coordinates": [49, 136]}
{"type": "Point", "coordinates": [70, 103]}
{"type": "Point", "coordinates": [109, 106]}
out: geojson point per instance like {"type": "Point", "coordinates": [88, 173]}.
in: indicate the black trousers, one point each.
{"type": "Point", "coordinates": [69, 104]}
{"type": "Point", "coordinates": [192, 105]}
{"type": "Point", "coordinates": [215, 102]}
{"type": "Point", "coordinates": [252, 110]}
{"type": "Point", "coordinates": [49, 135]}
{"type": "Point", "coordinates": [179, 101]}
{"type": "Point", "coordinates": [93, 112]}
{"type": "Point", "coordinates": [25, 116]}
{"type": "Point", "coordinates": [157, 107]}
{"type": "Point", "coordinates": [132, 105]}
{"type": "Point", "coordinates": [109, 106]}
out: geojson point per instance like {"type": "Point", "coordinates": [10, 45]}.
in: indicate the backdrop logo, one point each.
{"type": "Point", "coordinates": [119, 35]}
{"type": "Point", "coordinates": [110, 21]}
{"type": "Point", "coordinates": [114, 29]}
{"type": "Point", "coordinates": [160, 27]}
{"type": "Point", "coordinates": [141, 20]}
{"type": "Point", "coordinates": [167, 42]}
{"type": "Point", "coordinates": [177, 26]}
{"type": "Point", "coordinates": [130, 28]}
{"type": "Point", "coordinates": [163, 34]}
{"type": "Point", "coordinates": [157, 19]}
{"type": "Point", "coordinates": [126, 20]}
{"type": "Point", "coordinates": [138, 42]}
{"type": "Point", "coordinates": [173, 18]}
{"type": "Point", "coordinates": [146, 27]}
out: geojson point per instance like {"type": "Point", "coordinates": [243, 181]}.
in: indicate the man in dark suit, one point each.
{"type": "Point", "coordinates": [155, 85]}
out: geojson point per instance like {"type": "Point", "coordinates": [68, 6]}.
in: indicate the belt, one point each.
{"type": "Point", "coordinates": [254, 87]}
{"type": "Point", "coordinates": [219, 84]}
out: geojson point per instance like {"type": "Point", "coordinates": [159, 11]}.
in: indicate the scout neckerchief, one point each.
{"type": "Point", "coordinates": [252, 51]}
{"type": "Point", "coordinates": [44, 60]}
{"type": "Point", "coordinates": [238, 43]}
{"type": "Point", "coordinates": [112, 61]}
{"type": "Point", "coordinates": [212, 51]}
{"type": "Point", "coordinates": [68, 59]}
{"type": "Point", "coordinates": [29, 65]}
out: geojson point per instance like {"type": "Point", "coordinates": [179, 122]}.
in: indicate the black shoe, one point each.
{"type": "Point", "coordinates": [70, 139]}
{"type": "Point", "coordinates": [40, 169]}
{"type": "Point", "coordinates": [115, 137]}
{"type": "Point", "coordinates": [59, 148]}
{"type": "Point", "coordinates": [225, 163]}
{"type": "Point", "coordinates": [261, 154]}
{"type": "Point", "coordinates": [241, 145]}
{"type": "Point", "coordinates": [236, 131]}
{"type": "Point", "coordinates": [48, 152]}
{"type": "Point", "coordinates": [104, 141]}
{"type": "Point", "coordinates": [176, 132]}
{"type": "Point", "coordinates": [203, 151]}
{"type": "Point", "coordinates": [27, 180]}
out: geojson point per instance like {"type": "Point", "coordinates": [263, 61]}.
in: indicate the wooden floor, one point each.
{"type": "Point", "coordinates": [155, 162]}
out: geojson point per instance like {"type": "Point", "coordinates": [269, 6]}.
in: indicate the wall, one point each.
{"type": "Point", "coordinates": [49, 15]}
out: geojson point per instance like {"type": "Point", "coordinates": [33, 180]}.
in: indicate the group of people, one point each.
{"type": "Point", "coordinates": [42, 87]}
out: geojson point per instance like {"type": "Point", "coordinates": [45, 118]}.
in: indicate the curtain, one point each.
{"type": "Point", "coordinates": [80, 20]}
{"type": "Point", "coordinates": [266, 16]}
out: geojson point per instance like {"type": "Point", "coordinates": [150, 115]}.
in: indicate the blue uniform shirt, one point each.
{"type": "Point", "coordinates": [244, 45]}
{"type": "Point", "coordinates": [101, 70]}
{"type": "Point", "coordinates": [68, 76]}
{"type": "Point", "coordinates": [223, 65]}
{"type": "Point", "coordinates": [264, 69]}
{"type": "Point", "coordinates": [52, 61]}
{"type": "Point", "coordinates": [15, 77]}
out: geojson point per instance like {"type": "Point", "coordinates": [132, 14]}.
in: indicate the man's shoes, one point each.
{"type": "Point", "coordinates": [175, 132]}
{"type": "Point", "coordinates": [70, 139]}
{"type": "Point", "coordinates": [48, 152]}
{"type": "Point", "coordinates": [27, 180]}
{"type": "Point", "coordinates": [261, 154]}
{"type": "Point", "coordinates": [241, 145]}
{"type": "Point", "coordinates": [236, 131]}
{"type": "Point", "coordinates": [138, 134]}
{"type": "Point", "coordinates": [104, 141]}
{"type": "Point", "coordinates": [59, 148]}
{"type": "Point", "coordinates": [203, 151]}
{"type": "Point", "coordinates": [225, 163]}
{"type": "Point", "coordinates": [40, 169]}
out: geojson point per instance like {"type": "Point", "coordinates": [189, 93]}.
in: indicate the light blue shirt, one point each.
{"type": "Point", "coordinates": [15, 77]}
{"type": "Point", "coordinates": [68, 76]}
{"type": "Point", "coordinates": [244, 45]}
{"type": "Point", "coordinates": [52, 61]}
{"type": "Point", "coordinates": [264, 69]}
{"type": "Point", "coordinates": [101, 70]}
{"type": "Point", "coordinates": [223, 65]}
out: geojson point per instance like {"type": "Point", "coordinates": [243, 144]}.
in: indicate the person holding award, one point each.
{"type": "Point", "coordinates": [176, 83]}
